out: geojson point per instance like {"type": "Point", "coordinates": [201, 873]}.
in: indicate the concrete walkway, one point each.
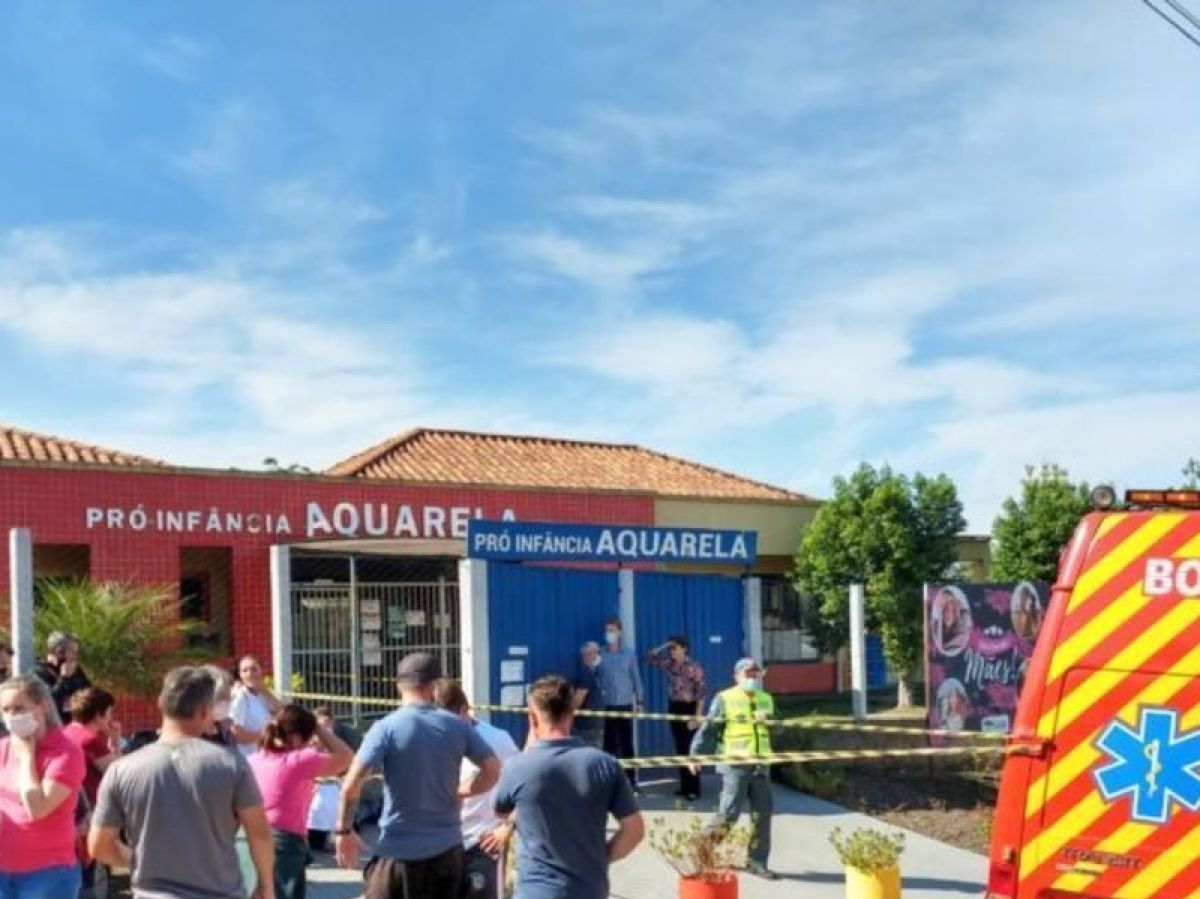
{"type": "Point", "coordinates": [800, 853]}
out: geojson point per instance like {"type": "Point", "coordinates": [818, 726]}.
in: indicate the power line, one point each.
{"type": "Point", "coordinates": [1185, 12]}
{"type": "Point", "coordinates": [1162, 15]}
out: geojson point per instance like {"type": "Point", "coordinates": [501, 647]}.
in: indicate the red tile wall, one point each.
{"type": "Point", "coordinates": [53, 502]}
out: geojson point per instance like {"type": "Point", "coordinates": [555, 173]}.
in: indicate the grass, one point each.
{"type": "Point", "coordinates": [879, 701]}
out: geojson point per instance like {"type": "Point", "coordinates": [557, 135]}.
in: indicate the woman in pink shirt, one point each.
{"type": "Point", "coordinates": [286, 767]}
{"type": "Point", "coordinates": [41, 772]}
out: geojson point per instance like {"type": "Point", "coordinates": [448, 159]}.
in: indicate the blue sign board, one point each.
{"type": "Point", "coordinates": [525, 541]}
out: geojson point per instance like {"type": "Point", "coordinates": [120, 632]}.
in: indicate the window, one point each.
{"type": "Point", "coordinates": [785, 619]}
{"type": "Point", "coordinates": [205, 581]}
{"type": "Point", "coordinates": [58, 563]}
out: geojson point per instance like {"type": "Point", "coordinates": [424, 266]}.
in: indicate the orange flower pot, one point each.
{"type": "Point", "coordinates": [698, 888]}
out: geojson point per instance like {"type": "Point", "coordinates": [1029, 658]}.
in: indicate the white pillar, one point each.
{"type": "Point", "coordinates": [858, 651]}
{"type": "Point", "coordinates": [281, 618]}
{"type": "Point", "coordinates": [627, 612]}
{"type": "Point", "coordinates": [752, 627]}
{"type": "Point", "coordinates": [627, 607]}
{"type": "Point", "coordinates": [476, 657]}
{"type": "Point", "coordinates": [20, 571]}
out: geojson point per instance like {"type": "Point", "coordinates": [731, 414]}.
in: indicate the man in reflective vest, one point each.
{"type": "Point", "coordinates": [737, 724]}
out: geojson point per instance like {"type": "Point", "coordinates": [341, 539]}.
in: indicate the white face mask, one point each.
{"type": "Point", "coordinates": [611, 637]}
{"type": "Point", "coordinates": [22, 725]}
{"type": "Point", "coordinates": [221, 711]}
{"type": "Point", "coordinates": [750, 684]}
{"type": "Point", "coordinates": [594, 662]}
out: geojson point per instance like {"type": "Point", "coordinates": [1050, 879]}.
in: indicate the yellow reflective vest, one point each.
{"type": "Point", "coordinates": [744, 733]}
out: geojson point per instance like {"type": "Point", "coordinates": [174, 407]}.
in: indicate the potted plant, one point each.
{"type": "Point", "coordinates": [872, 862]}
{"type": "Point", "coordinates": [706, 859]}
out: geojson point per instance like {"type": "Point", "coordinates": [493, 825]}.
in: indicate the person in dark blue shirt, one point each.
{"type": "Point", "coordinates": [589, 696]}
{"type": "Point", "coordinates": [562, 792]}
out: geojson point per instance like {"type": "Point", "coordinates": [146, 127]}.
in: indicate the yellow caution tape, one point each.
{"type": "Point", "coordinates": [811, 722]}
{"type": "Point", "coordinates": [799, 758]}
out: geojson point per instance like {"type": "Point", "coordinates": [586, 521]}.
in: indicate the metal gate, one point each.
{"type": "Point", "coordinates": [708, 611]}
{"type": "Point", "coordinates": [348, 638]}
{"type": "Point", "coordinates": [537, 620]}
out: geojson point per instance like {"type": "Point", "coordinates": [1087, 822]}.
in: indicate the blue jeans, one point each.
{"type": "Point", "coordinates": [745, 786]}
{"type": "Point", "coordinates": [291, 858]}
{"type": "Point", "coordinates": [49, 883]}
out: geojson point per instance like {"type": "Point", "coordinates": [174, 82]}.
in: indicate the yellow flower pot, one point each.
{"type": "Point", "coordinates": [881, 884]}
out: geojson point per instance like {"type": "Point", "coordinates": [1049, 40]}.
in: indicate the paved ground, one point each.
{"type": "Point", "coordinates": [801, 853]}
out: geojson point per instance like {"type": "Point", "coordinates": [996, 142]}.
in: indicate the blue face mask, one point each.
{"type": "Point", "coordinates": [611, 637]}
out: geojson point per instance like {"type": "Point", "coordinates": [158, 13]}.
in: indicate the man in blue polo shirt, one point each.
{"type": "Point", "coordinates": [419, 751]}
{"type": "Point", "coordinates": [562, 792]}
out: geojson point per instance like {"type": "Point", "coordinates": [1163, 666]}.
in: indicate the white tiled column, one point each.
{"type": "Point", "coordinates": [20, 569]}
{"type": "Point", "coordinates": [281, 618]}
{"type": "Point", "coordinates": [476, 657]}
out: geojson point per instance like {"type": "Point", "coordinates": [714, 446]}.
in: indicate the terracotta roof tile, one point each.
{"type": "Point", "coordinates": [463, 457]}
{"type": "Point", "coordinates": [17, 445]}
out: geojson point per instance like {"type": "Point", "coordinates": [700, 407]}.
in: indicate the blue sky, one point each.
{"type": "Point", "coordinates": [951, 236]}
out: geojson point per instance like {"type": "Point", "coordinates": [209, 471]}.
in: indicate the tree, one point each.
{"type": "Point", "coordinates": [892, 534]}
{"type": "Point", "coordinates": [129, 636]}
{"type": "Point", "coordinates": [1033, 529]}
{"type": "Point", "coordinates": [1191, 473]}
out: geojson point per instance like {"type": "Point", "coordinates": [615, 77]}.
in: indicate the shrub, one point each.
{"type": "Point", "coordinates": [129, 636]}
{"type": "Point", "coordinates": [815, 779]}
{"type": "Point", "coordinates": [696, 851]}
{"type": "Point", "coordinates": [867, 850]}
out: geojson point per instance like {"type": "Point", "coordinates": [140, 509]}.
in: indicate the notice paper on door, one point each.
{"type": "Point", "coordinates": [372, 658]}
{"type": "Point", "coordinates": [512, 695]}
{"type": "Point", "coordinates": [512, 671]}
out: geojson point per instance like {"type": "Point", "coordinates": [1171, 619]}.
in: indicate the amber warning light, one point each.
{"type": "Point", "coordinates": [1178, 499]}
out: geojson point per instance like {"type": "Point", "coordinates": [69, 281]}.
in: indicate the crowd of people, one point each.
{"type": "Point", "coordinates": [236, 789]}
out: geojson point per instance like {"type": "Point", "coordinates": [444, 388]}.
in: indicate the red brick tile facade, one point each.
{"type": "Point", "coordinates": [135, 522]}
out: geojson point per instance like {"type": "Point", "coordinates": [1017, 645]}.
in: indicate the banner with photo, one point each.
{"type": "Point", "coordinates": [978, 641]}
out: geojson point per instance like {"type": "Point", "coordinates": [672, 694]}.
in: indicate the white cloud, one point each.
{"type": "Point", "coordinates": [220, 148]}
{"type": "Point", "coordinates": [1137, 440]}
{"type": "Point", "coordinates": [605, 269]}
{"type": "Point", "coordinates": [298, 381]}
{"type": "Point", "coordinates": [177, 57]}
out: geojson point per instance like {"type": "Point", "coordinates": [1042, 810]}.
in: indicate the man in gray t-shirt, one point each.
{"type": "Point", "coordinates": [180, 802]}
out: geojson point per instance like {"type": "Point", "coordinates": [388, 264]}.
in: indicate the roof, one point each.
{"type": "Point", "coordinates": [507, 460]}
{"type": "Point", "coordinates": [17, 445]}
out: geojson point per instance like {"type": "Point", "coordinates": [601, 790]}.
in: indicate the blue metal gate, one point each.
{"type": "Point", "coordinates": [537, 620]}
{"type": "Point", "coordinates": [538, 617]}
{"type": "Point", "coordinates": [708, 611]}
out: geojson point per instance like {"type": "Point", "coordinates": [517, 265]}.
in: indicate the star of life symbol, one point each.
{"type": "Point", "coordinates": [1155, 765]}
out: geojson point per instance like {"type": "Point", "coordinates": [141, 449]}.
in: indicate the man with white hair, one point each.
{"type": "Point", "coordinates": [61, 671]}
{"type": "Point", "coordinates": [588, 696]}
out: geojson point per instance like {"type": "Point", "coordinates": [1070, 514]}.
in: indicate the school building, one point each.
{"type": "Point", "coordinates": [378, 534]}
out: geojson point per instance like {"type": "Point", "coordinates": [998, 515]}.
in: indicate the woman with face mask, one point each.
{"type": "Point", "coordinates": [41, 772]}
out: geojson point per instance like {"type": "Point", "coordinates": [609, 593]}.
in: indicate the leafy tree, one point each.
{"type": "Point", "coordinates": [129, 636]}
{"type": "Point", "coordinates": [1191, 473]}
{"type": "Point", "coordinates": [891, 533]}
{"type": "Point", "coordinates": [1033, 529]}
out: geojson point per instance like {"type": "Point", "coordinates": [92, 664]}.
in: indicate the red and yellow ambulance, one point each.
{"type": "Point", "coordinates": [1100, 794]}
